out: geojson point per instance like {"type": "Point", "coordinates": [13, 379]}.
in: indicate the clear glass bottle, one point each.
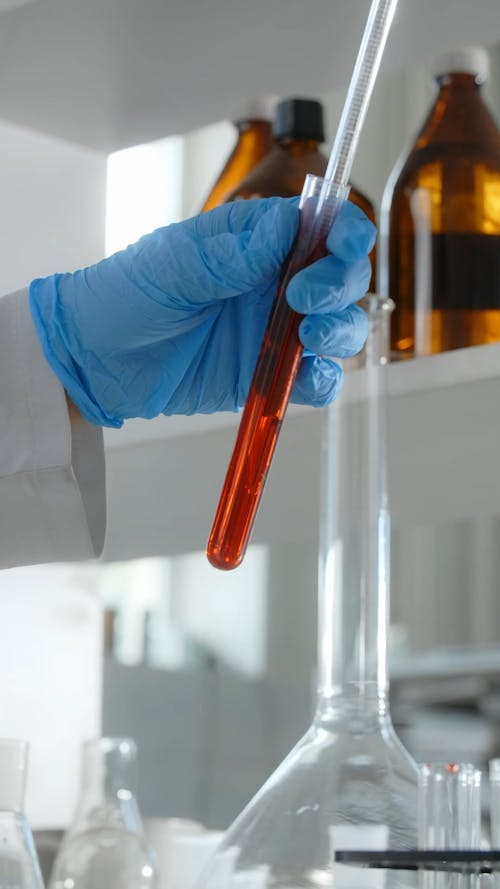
{"type": "Point", "coordinates": [254, 141]}
{"type": "Point", "coordinates": [298, 131]}
{"type": "Point", "coordinates": [349, 783]}
{"type": "Point", "coordinates": [440, 224]}
{"type": "Point", "coordinates": [19, 866]}
{"type": "Point", "coordinates": [105, 847]}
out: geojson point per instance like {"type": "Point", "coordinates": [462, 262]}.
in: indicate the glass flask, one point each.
{"type": "Point", "coordinates": [254, 141]}
{"type": "Point", "coordinates": [440, 222]}
{"type": "Point", "coordinates": [19, 866]}
{"type": "Point", "coordinates": [298, 131]}
{"type": "Point", "coordinates": [349, 783]}
{"type": "Point", "coordinates": [105, 847]}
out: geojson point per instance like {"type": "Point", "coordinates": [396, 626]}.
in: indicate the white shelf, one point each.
{"type": "Point", "coordinates": [112, 74]}
{"type": "Point", "coordinates": [164, 476]}
{"type": "Point", "coordinates": [457, 663]}
{"type": "Point", "coordinates": [444, 436]}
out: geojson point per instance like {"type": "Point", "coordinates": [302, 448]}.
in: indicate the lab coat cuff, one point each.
{"type": "Point", "coordinates": [52, 477]}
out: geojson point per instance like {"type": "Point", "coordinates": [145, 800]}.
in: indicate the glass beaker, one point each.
{"type": "Point", "coordinates": [105, 847]}
{"type": "Point", "coordinates": [349, 783]}
{"type": "Point", "coordinates": [19, 866]}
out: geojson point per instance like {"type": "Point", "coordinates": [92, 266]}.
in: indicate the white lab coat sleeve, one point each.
{"type": "Point", "coordinates": [52, 479]}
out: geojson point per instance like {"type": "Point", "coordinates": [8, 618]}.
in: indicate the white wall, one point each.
{"type": "Point", "coordinates": [50, 692]}
{"type": "Point", "coordinates": [226, 611]}
{"type": "Point", "coordinates": [205, 153]}
{"type": "Point", "coordinates": [52, 211]}
{"type": "Point", "coordinates": [144, 190]}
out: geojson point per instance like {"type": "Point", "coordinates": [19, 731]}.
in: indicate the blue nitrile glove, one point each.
{"type": "Point", "coordinates": [173, 323]}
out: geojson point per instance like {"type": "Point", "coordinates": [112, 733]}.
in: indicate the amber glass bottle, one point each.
{"type": "Point", "coordinates": [254, 141]}
{"type": "Point", "coordinates": [298, 132]}
{"type": "Point", "coordinates": [441, 220]}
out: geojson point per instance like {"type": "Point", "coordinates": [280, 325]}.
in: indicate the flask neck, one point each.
{"type": "Point", "coordinates": [118, 812]}
{"type": "Point", "coordinates": [252, 124]}
{"type": "Point", "coordinates": [355, 706]}
{"type": "Point", "coordinates": [298, 146]}
{"type": "Point", "coordinates": [108, 786]}
{"type": "Point", "coordinates": [353, 610]}
{"type": "Point", "coordinates": [459, 113]}
{"type": "Point", "coordinates": [253, 131]}
{"type": "Point", "coordinates": [458, 80]}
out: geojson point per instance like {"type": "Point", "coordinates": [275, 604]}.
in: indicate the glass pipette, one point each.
{"type": "Point", "coordinates": [281, 350]}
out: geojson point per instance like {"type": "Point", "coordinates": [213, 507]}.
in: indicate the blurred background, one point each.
{"type": "Point", "coordinates": [115, 118]}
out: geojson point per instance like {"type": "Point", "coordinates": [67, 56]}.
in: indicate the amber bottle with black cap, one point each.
{"type": "Point", "coordinates": [298, 131]}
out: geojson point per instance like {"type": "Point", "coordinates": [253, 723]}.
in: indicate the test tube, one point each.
{"type": "Point", "coordinates": [281, 351]}
{"type": "Point", "coordinates": [449, 817]}
{"type": "Point", "coordinates": [494, 769]}
{"type": "Point", "coordinates": [494, 775]}
{"type": "Point", "coordinates": [277, 367]}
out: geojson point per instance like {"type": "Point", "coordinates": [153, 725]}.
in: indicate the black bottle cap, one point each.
{"type": "Point", "coordinates": [299, 119]}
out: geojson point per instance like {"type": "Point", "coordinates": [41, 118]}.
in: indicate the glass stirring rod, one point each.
{"type": "Point", "coordinates": [281, 351]}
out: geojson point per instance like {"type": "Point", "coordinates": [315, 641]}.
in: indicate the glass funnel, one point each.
{"type": "Point", "coordinates": [349, 783]}
{"type": "Point", "coordinates": [105, 847]}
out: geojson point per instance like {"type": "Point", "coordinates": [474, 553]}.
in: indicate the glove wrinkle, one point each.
{"type": "Point", "coordinates": [174, 322]}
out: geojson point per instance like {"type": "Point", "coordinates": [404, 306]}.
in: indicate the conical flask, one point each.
{"type": "Point", "coordinates": [349, 783]}
{"type": "Point", "coordinates": [105, 847]}
{"type": "Point", "coordinates": [19, 867]}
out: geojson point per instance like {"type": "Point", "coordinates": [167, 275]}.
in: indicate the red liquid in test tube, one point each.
{"type": "Point", "coordinates": [260, 425]}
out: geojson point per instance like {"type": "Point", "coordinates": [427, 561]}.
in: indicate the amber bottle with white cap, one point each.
{"type": "Point", "coordinates": [19, 867]}
{"type": "Point", "coordinates": [254, 140]}
{"type": "Point", "coordinates": [440, 220]}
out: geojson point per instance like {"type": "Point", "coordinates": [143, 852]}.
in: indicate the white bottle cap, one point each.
{"type": "Point", "coordinates": [257, 109]}
{"type": "Point", "coordinates": [13, 766]}
{"type": "Point", "coordinates": [467, 60]}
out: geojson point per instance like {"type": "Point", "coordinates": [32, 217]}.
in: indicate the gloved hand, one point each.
{"type": "Point", "coordinates": [173, 323]}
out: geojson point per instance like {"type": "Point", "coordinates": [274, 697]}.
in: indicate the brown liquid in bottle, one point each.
{"type": "Point", "coordinates": [254, 142]}
{"type": "Point", "coordinates": [442, 217]}
{"type": "Point", "coordinates": [298, 132]}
